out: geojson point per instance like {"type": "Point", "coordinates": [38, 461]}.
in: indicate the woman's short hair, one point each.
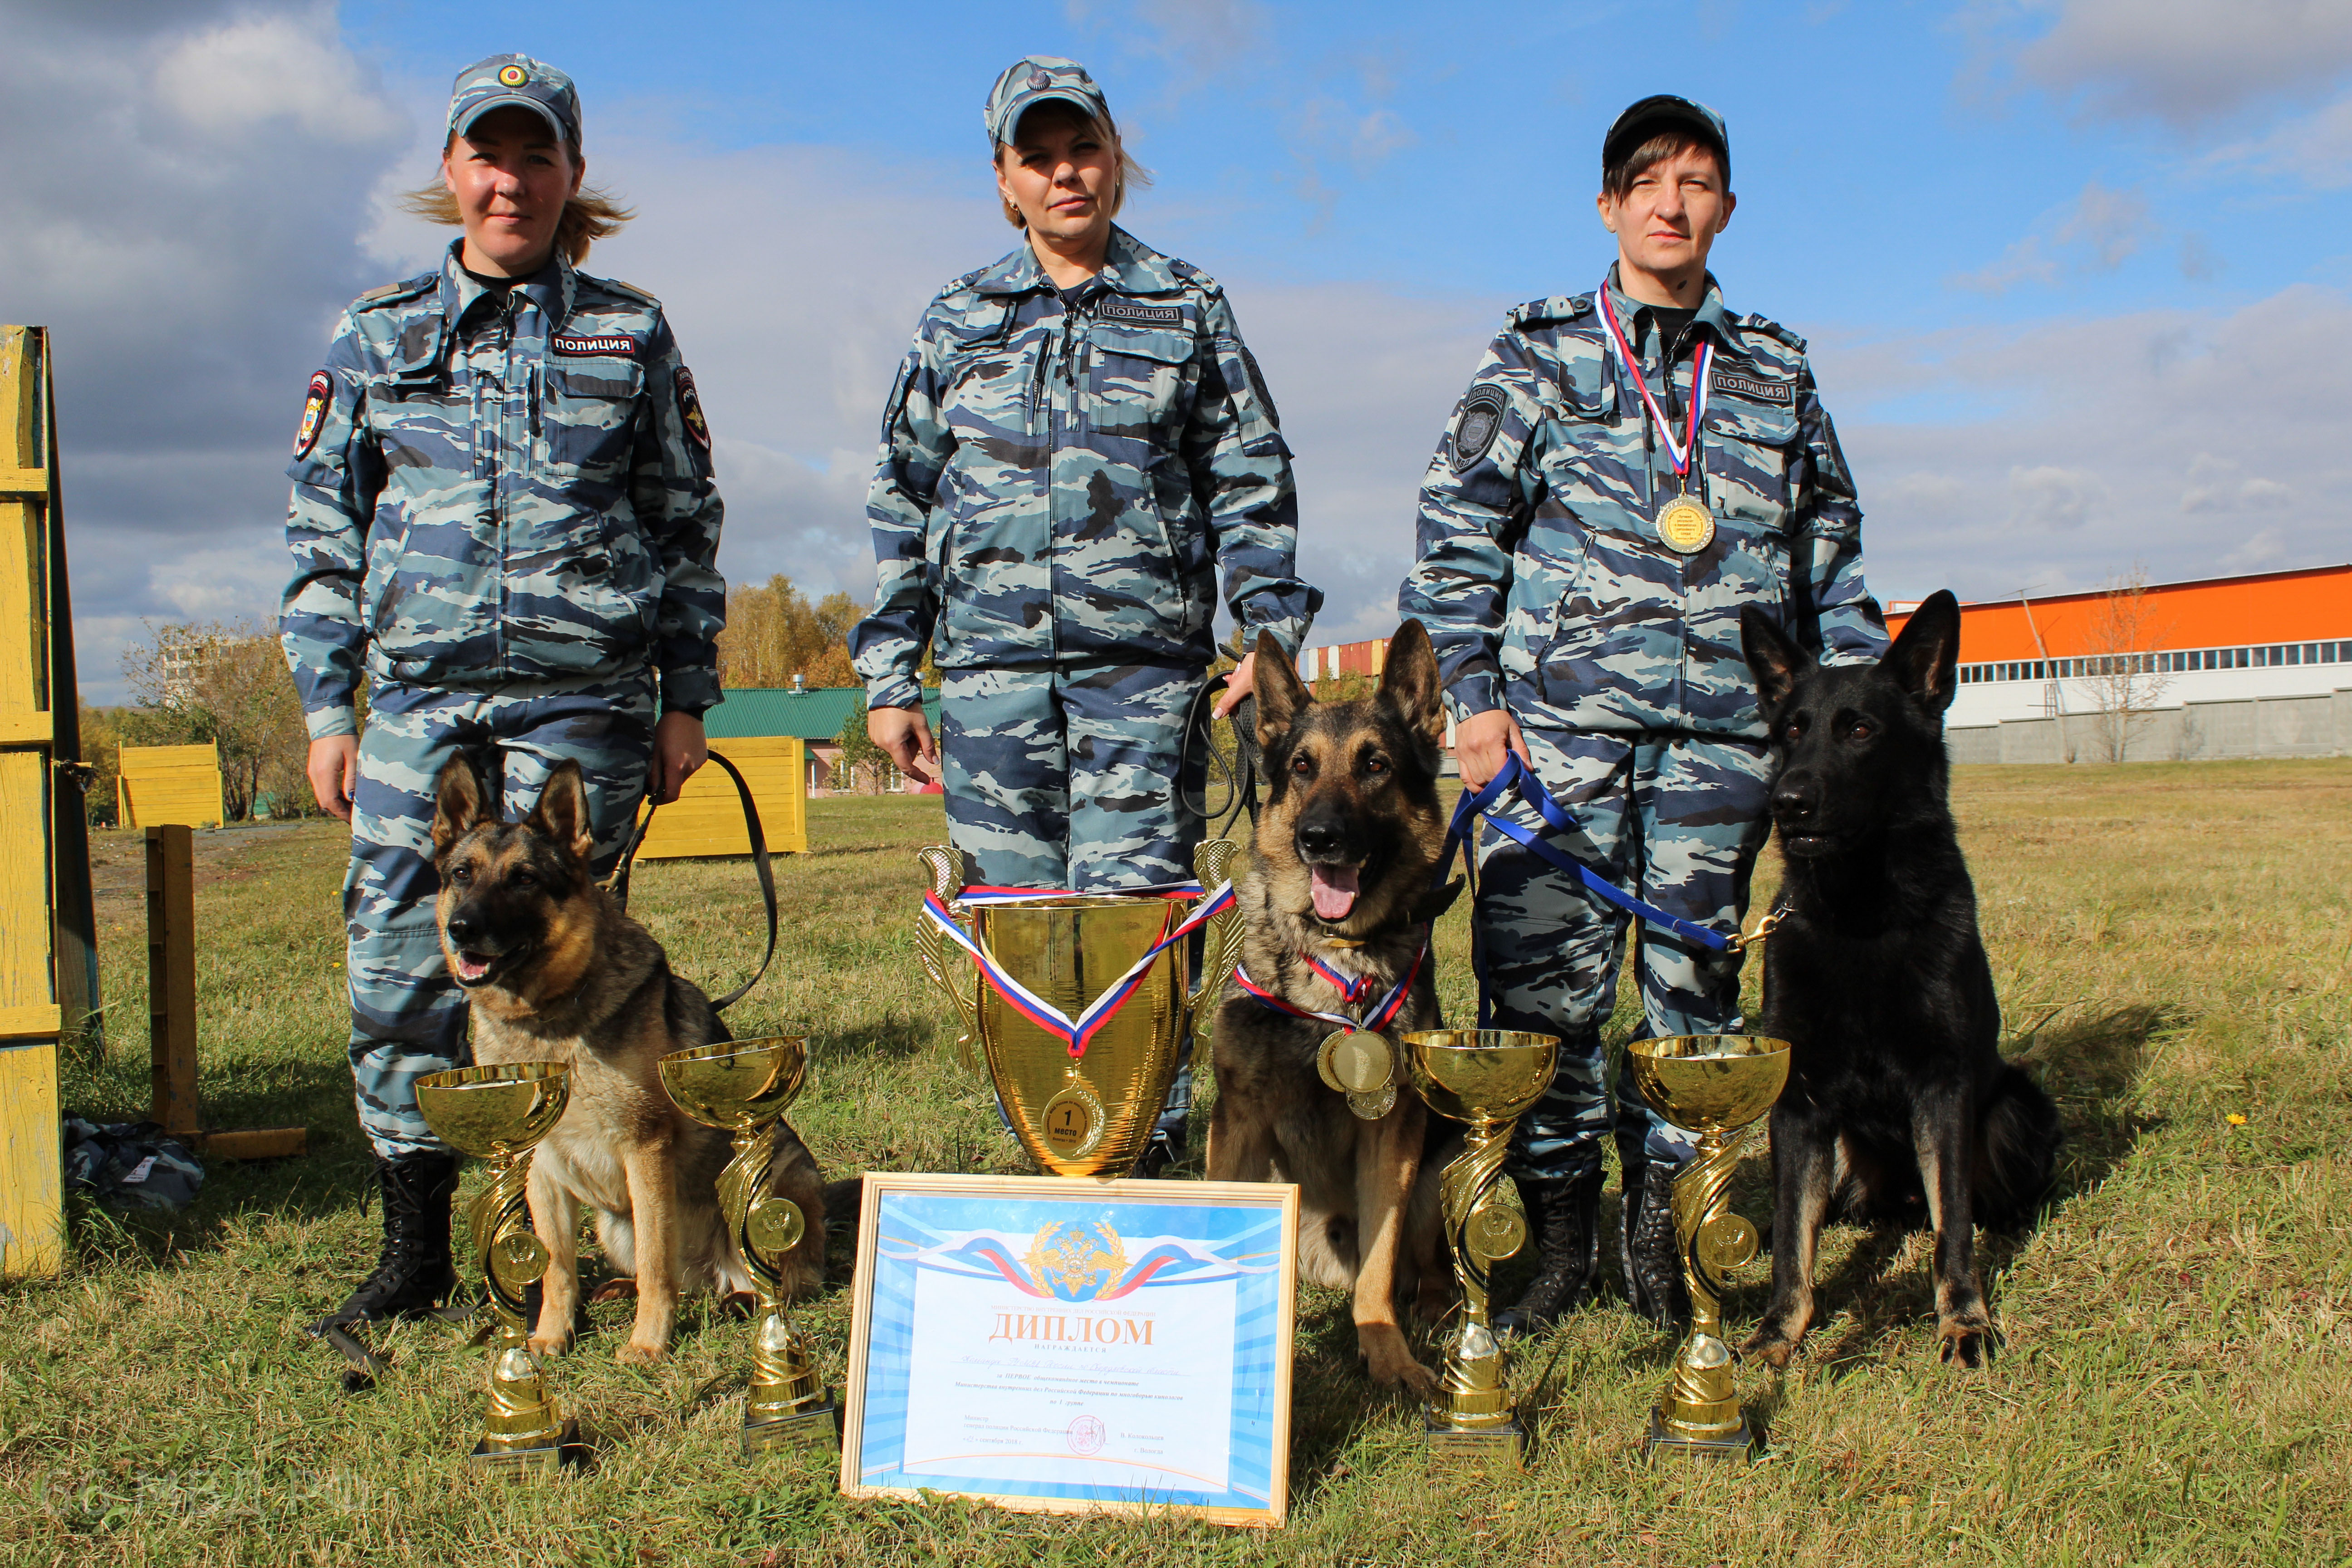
{"type": "Point", "coordinates": [1617, 179]}
{"type": "Point", "coordinates": [1130, 172]}
{"type": "Point", "coordinates": [589, 213]}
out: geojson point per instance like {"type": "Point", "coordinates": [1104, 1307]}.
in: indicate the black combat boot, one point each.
{"type": "Point", "coordinates": [1564, 1212]}
{"type": "Point", "coordinates": [414, 1274]}
{"type": "Point", "coordinates": [1653, 1256]}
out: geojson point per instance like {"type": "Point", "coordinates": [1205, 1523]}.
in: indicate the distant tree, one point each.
{"type": "Point", "coordinates": [774, 633]}
{"type": "Point", "coordinates": [228, 685]}
{"type": "Point", "coordinates": [101, 748]}
{"type": "Point", "coordinates": [2123, 674]}
{"type": "Point", "coordinates": [865, 763]}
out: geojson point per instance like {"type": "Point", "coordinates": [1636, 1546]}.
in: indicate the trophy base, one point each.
{"type": "Point", "coordinates": [1502, 1447]}
{"type": "Point", "coordinates": [523, 1461]}
{"type": "Point", "coordinates": [817, 1430]}
{"type": "Point", "coordinates": [1733, 1448]}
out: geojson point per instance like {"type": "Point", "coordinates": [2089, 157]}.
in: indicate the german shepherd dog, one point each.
{"type": "Point", "coordinates": [1343, 857]}
{"type": "Point", "coordinates": [556, 971]}
{"type": "Point", "coordinates": [1877, 978]}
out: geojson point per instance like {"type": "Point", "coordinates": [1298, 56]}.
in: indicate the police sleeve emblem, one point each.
{"type": "Point", "coordinates": [314, 413]}
{"type": "Point", "coordinates": [690, 409]}
{"type": "Point", "coordinates": [1474, 426]}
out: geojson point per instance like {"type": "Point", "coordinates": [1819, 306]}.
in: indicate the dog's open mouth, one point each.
{"type": "Point", "coordinates": [471, 967]}
{"type": "Point", "coordinates": [1334, 889]}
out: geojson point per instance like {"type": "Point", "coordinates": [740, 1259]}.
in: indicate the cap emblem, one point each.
{"type": "Point", "coordinates": [514, 76]}
{"type": "Point", "coordinates": [1039, 82]}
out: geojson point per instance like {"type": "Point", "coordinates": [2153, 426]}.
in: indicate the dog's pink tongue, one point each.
{"type": "Point", "coordinates": [1335, 890]}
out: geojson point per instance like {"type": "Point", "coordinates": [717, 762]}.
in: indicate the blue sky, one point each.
{"type": "Point", "coordinates": [2078, 272]}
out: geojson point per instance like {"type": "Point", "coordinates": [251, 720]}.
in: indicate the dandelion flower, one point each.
{"type": "Point", "coordinates": [2236, 1119]}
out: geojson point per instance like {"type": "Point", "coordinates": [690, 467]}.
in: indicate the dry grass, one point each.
{"type": "Point", "coordinates": [2174, 946]}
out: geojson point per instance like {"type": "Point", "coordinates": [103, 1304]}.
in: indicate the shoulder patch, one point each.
{"type": "Point", "coordinates": [400, 291]}
{"type": "Point", "coordinates": [314, 413]}
{"type": "Point", "coordinates": [1119, 308]}
{"type": "Point", "coordinates": [689, 410]}
{"type": "Point", "coordinates": [1475, 426]}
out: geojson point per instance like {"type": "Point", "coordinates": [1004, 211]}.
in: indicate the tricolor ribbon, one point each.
{"type": "Point", "coordinates": [1701, 375]}
{"type": "Point", "coordinates": [980, 897]}
{"type": "Point", "coordinates": [1380, 1017]}
{"type": "Point", "coordinates": [1081, 1030]}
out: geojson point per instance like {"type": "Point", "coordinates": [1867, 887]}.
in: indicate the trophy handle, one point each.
{"type": "Point", "coordinates": [943, 868]}
{"type": "Point", "coordinates": [1221, 947]}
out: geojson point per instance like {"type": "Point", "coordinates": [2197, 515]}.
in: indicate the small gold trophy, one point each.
{"type": "Point", "coordinates": [1716, 1086]}
{"type": "Point", "coordinates": [1485, 1078]}
{"type": "Point", "coordinates": [497, 1114]}
{"type": "Point", "coordinates": [744, 1087]}
{"type": "Point", "coordinates": [1092, 1113]}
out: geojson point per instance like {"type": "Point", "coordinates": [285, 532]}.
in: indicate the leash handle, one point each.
{"type": "Point", "coordinates": [1516, 778]}
{"type": "Point", "coordinates": [619, 881]}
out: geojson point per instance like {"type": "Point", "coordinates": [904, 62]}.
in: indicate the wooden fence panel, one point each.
{"type": "Point", "coordinates": [707, 817]}
{"type": "Point", "coordinates": [165, 784]}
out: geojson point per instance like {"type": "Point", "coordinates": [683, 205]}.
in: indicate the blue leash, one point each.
{"type": "Point", "coordinates": [1516, 777]}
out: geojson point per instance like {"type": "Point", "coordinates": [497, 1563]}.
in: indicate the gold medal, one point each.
{"type": "Point", "coordinates": [1373, 1106]}
{"type": "Point", "coordinates": [1354, 1061]}
{"type": "Point", "coordinates": [1073, 1122]}
{"type": "Point", "coordinates": [776, 1224]}
{"type": "Point", "coordinates": [1687, 526]}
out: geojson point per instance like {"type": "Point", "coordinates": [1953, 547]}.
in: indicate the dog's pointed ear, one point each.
{"type": "Point", "coordinates": [1409, 680]}
{"type": "Point", "coordinates": [1281, 695]}
{"type": "Point", "coordinates": [1433, 903]}
{"type": "Point", "coordinates": [1772, 659]}
{"type": "Point", "coordinates": [1927, 656]}
{"type": "Point", "coordinates": [562, 812]}
{"type": "Point", "coordinates": [460, 805]}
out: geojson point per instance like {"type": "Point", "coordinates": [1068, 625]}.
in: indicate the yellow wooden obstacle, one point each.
{"type": "Point", "coordinates": [48, 969]}
{"type": "Point", "coordinates": [160, 785]}
{"type": "Point", "coordinates": [707, 816]}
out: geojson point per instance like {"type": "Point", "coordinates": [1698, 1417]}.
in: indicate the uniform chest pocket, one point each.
{"type": "Point", "coordinates": [422, 424]}
{"type": "Point", "coordinates": [1140, 378]}
{"type": "Point", "coordinates": [1752, 453]}
{"type": "Point", "coordinates": [588, 416]}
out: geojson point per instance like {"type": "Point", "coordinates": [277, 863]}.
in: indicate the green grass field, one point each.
{"type": "Point", "coordinates": [2174, 949]}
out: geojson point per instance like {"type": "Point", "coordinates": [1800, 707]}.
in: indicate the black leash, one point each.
{"type": "Point", "coordinates": [1239, 772]}
{"type": "Point", "coordinates": [619, 880]}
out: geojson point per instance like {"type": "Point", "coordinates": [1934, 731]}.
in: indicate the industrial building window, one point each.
{"type": "Point", "coordinates": [2270, 656]}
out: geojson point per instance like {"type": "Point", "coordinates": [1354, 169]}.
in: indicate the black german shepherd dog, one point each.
{"type": "Point", "coordinates": [1877, 978]}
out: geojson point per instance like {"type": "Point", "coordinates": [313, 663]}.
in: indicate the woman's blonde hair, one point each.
{"type": "Point", "coordinates": [1130, 172]}
{"type": "Point", "coordinates": [589, 213]}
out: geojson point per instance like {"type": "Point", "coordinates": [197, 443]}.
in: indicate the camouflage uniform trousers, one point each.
{"type": "Point", "coordinates": [1675, 818]}
{"type": "Point", "coordinates": [1067, 778]}
{"type": "Point", "coordinates": [408, 1015]}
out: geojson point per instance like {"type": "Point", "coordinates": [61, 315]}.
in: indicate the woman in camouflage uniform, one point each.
{"type": "Point", "coordinates": [1075, 443]}
{"type": "Point", "coordinates": [1585, 554]}
{"type": "Point", "coordinates": [503, 503]}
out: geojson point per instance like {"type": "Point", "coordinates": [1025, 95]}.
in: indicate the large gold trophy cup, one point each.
{"type": "Point", "coordinates": [1716, 1086]}
{"type": "Point", "coordinates": [744, 1087]}
{"type": "Point", "coordinates": [1089, 1114]}
{"type": "Point", "coordinates": [1483, 1079]}
{"type": "Point", "coordinates": [498, 1113]}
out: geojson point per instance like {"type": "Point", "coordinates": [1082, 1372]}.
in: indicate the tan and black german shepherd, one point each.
{"type": "Point", "coordinates": [1341, 866]}
{"type": "Point", "coordinates": [556, 971]}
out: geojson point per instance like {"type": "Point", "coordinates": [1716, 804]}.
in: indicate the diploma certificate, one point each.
{"type": "Point", "coordinates": [1069, 1345]}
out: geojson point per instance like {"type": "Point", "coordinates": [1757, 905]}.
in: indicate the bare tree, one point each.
{"type": "Point", "coordinates": [229, 685]}
{"type": "Point", "coordinates": [2122, 670]}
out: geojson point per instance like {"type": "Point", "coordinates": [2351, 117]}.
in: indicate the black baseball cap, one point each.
{"type": "Point", "coordinates": [1665, 112]}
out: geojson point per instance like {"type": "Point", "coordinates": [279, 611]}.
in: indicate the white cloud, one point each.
{"type": "Point", "coordinates": [2314, 151]}
{"type": "Point", "coordinates": [2186, 62]}
{"type": "Point", "coordinates": [2097, 232]}
{"type": "Point", "coordinates": [284, 72]}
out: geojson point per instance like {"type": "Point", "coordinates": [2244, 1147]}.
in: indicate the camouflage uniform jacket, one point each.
{"type": "Point", "coordinates": [1058, 486]}
{"type": "Point", "coordinates": [486, 494]}
{"type": "Point", "coordinates": [1541, 576]}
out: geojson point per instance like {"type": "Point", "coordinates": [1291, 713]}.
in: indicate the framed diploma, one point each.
{"type": "Point", "coordinates": [1074, 1346]}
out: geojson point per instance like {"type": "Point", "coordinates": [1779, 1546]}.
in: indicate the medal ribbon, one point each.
{"type": "Point", "coordinates": [1081, 1030]}
{"type": "Point", "coordinates": [1702, 377]}
{"type": "Point", "coordinates": [979, 897]}
{"type": "Point", "coordinates": [1381, 1017]}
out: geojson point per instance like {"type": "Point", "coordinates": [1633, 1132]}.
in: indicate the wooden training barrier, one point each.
{"type": "Point", "coordinates": [156, 785]}
{"type": "Point", "coordinates": [707, 818]}
{"type": "Point", "coordinates": [171, 1009]}
{"type": "Point", "coordinates": [48, 955]}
